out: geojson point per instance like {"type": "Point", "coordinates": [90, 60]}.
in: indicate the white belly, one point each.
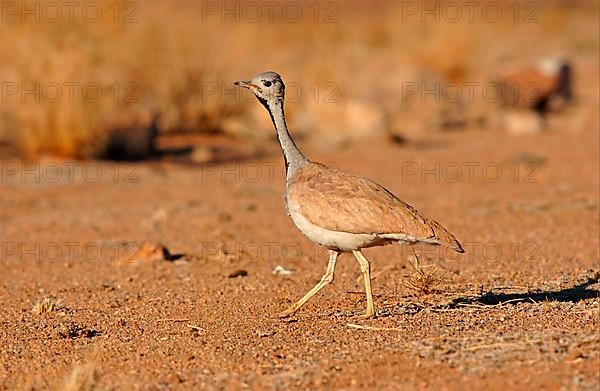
{"type": "Point", "coordinates": [333, 240]}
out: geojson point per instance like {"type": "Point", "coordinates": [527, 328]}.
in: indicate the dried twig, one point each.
{"type": "Point", "coordinates": [372, 328]}
{"type": "Point", "coordinates": [195, 328]}
{"type": "Point", "coordinates": [498, 344]}
{"type": "Point", "coordinates": [173, 320]}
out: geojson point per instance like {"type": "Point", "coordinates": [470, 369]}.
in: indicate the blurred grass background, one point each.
{"type": "Point", "coordinates": [165, 63]}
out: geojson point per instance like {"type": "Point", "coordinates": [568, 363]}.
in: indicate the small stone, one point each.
{"type": "Point", "coordinates": [238, 273]}
{"type": "Point", "coordinates": [224, 217]}
{"type": "Point", "coordinates": [281, 271]}
{"type": "Point", "coordinates": [202, 155]}
{"type": "Point", "coordinates": [522, 122]}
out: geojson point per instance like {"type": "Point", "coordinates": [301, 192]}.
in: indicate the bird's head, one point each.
{"type": "Point", "coordinates": [267, 87]}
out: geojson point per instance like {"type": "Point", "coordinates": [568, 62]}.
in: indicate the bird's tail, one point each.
{"type": "Point", "coordinates": [432, 233]}
{"type": "Point", "coordinates": [444, 237]}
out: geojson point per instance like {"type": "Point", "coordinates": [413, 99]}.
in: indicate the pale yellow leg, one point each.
{"type": "Point", "coordinates": [365, 268]}
{"type": "Point", "coordinates": [326, 279]}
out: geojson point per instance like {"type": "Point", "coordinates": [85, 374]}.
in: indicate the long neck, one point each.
{"type": "Point", "coordinates": [294, 159]}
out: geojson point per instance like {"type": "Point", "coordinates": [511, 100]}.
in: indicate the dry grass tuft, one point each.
{"type": "Point", "coordinates": [423, 280]}
{"type": "Point", "coordinates": [83, 377]}
{"type": "Point", "coordinates": [46, 305]}
{"type": "Point", "coordinates": [73, 83]}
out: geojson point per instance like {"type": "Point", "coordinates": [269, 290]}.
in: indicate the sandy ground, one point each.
{"type": "Point", "coordinates": [518, 310]}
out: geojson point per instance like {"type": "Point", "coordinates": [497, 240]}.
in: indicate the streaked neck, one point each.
{"type": "Point", "coordinates": [294, 158]}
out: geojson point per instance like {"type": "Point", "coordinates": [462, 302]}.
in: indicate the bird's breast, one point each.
{"type": "Point", "coordinates": [334, 240]}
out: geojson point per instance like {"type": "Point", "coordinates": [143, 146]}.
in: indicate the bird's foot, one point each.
{"type": "Point", "coordinates": [287, 313]}
{"type": "Point", "coordinates": [365, 316]}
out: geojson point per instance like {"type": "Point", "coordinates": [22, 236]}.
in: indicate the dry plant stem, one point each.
{"type": "Point", "coordinates": [173, 320]}
{"type": "Point", "coordinates": [416, 263]}
{"type": "Point", "coordinates": [372, 328]}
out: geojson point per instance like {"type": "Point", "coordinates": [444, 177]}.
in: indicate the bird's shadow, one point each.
{"type": "Point", "coordinates": [574, 294]}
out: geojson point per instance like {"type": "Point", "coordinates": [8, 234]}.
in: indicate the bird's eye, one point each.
{"type": "Point", "coordinates": [267, 83]}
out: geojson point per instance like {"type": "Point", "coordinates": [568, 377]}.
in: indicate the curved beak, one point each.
{"type": "Point", "coordinates": [245, 84]}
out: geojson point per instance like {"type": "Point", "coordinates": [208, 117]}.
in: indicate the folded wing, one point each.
{"type": "Point", "coordinates": [337, 201]}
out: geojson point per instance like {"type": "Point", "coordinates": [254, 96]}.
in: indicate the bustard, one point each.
{"type": "Point", "coordinates": [342, 212]}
